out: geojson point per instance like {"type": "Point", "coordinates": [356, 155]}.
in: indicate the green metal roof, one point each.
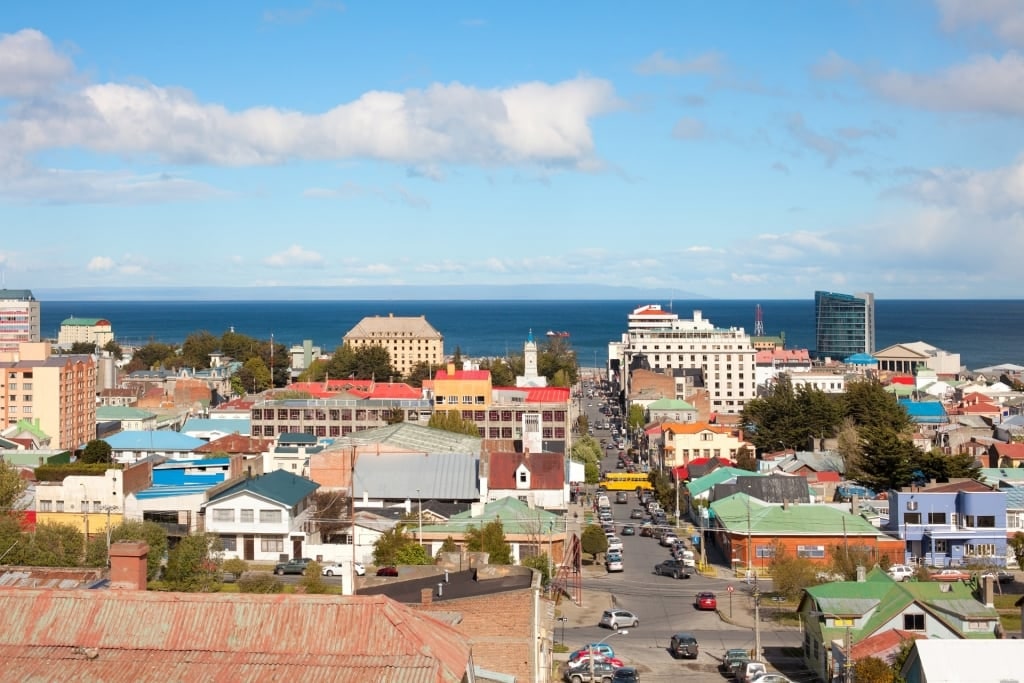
{"type": "Point", "coordinates": [516, 518]}
{"type": "Point", "coordinates": [83, 322]}
{"type": "Point", "coordinates": [740, 512]}
{"type": "Point", "coordinates": [713, 479]}
{"type": "Point", "coordinates": [122, 413]}
{"type": "Point", "coordinates": [670, 404]}
{"type": "Point", "coordinates": [280, 486]}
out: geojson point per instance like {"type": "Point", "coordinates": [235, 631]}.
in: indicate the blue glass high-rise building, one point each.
{"type": "Point", "coordinates": [844, 324]}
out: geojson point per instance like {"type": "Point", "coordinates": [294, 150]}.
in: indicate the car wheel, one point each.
{"type": "Point", "coordinates": [615, 625]}
{"type": "Point", "coordinates": [329, 573]}
{"type": "Point", "coordinates": [636, 622]}
{"type": "Point", "coordinates": [279, 572]}
{"type": "Point", "coordinates": [576, 679]}
{"type": "Point", "coordinates": [675, 575]}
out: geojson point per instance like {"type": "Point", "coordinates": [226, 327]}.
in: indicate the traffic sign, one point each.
{"type": "Point", "coordinates": [729, 588]}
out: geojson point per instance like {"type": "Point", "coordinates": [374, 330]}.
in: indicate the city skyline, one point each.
{"type": "Point", "coordinates": [728, 150]}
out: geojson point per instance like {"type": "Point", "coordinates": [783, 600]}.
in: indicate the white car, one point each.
{"type": "Point", "coordinates": [613, 563]}
{"type": "Point", "coordinates": [899, 572]}
{"type": "Point", "coordinates": [614, 544]}
{"type": "Point", "coordinates": [338, 569]}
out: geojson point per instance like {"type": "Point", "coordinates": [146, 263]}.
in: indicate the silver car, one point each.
{"type": "Point", "coordinates": [618, 618]}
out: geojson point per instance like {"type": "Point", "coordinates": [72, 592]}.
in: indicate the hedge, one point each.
{"type": "Point", "coordinates": [58, 472]}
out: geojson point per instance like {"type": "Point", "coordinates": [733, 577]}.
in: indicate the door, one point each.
{"type": "Point", "coordinates": [296, 548]}
{"type": "Point", "coordinates": [249, 547]}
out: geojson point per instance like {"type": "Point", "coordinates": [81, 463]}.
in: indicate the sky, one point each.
{"type": "Point", "coordinates": [728, 149]}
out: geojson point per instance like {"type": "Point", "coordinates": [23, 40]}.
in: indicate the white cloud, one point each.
{"type": "Point", "coordinates": [833, 66]}
{"type": "Point", "coordinates": [688, 128]}
{"type": "Point", "coordinates": [827, 147]}
{"type": "Point", "coordinates": [295, 257]}
{"type": "Point", "coordinates": [708, 63]}
{"type": "Point", "coordinates": [29, 65]}
{"type": "Point", "coordinates": [698, 249]}
{"type": "Point", "coordinates": [998, 192]}
{"type": "Point", "coordinates": [99, 264]}
{"type": "Point", "coordinates": [1006, 17]}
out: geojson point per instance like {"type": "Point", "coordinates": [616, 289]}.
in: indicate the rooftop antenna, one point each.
{"type": "Point", "coordinates": [758, 322]}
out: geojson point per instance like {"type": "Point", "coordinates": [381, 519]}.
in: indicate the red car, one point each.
{"type": "Point", "coordinates": [950, 575]}
{"type": "Point", "coordinates": [581, 659]}
{"type": "Point", "coordinates": [705, 600]}
{"type": "Point", "coordinates": [387, 571]}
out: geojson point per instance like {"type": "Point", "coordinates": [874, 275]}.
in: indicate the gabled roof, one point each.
{"type": "Point", "coordinates": [237, 443]}
{"type": "Point", "coordinates": [1011, 451]}
{"type": "Point", "coordinates": [159, 440]}
{"type": "Point", "coordinates": [122, 413]}
{"type": "Point", "coordinates": [773, 488]}
{"type": "Point", "coordinates": [709, 481]}
{"type": "Point", "coordinates": [412, 437]}
{"type": "Point", "coordinates": [670, 404]}
{"type": "Point", "coordinates": [516, 518]}
{"type": "Point", "coordinates": [773, 519]}
{"type": "Point", "coordinates": [149, 636]}
{"type": "Point", "coordinates": [547, 470]}
{"type": "Point", "coordinates": [280, 486]}
{"type": "Point", "coordinates": [408, 476]}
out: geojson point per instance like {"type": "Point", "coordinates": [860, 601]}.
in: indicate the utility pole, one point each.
{"type": "Point", "coordinates": [848, 657]}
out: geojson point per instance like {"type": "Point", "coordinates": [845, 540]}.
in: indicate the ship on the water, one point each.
{"type": "Point", "coordinates": [552, 333]}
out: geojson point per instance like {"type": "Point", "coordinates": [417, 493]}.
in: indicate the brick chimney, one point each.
{"type": "Point", "coordinates": [426, 596]}
{"type": "Point", "coordinates": [128, 565]}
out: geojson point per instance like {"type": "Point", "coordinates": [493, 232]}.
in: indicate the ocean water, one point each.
{"type": "Point", "coordinates": [982, 332]}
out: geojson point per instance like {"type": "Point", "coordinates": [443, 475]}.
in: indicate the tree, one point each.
{"type": "Point", "coordinates": [365, 362]}
{"type": "Point", "coordinates": [845, 561]}
{"type": "Point", "coordinates": [388, 548]}
{"type": "Point", "coordinates": [936, 465]}
{"type": "Point", "coordinates": [451, 421]}
{"type": "Point", "coordinates": [114, 349]}
{"type": "Point", "coordinates": [886, 459]}
{"type": "Point", "coordinates": [541, 563]}
{"type": "Point", "coordinates": [1017, 545]}
{"type": "Point", "coordinates": [53, 545]}
{"type": "Point", "coordinates": [259, 582]}
{"type": "Point", "coordinates": [193, 566]}
{"type": "Point", "coordinates": [83, 348]}
{"type": "Point", "coordinates": [637, 418]}
{"type": "Point", "coordinates": [255, 375]}
{"type": "Point", "coordinates": [12, 486]}
{"type": "Point", "coordinates": [331, 515]}
{"type": "Point", "coordinates": [664, 490]}
{"type": "Point", "coordinates": [502, 373]}
{"type": "Point", "coordinates": [490, 538]}
{"type": "Point", "coordinates": [745, 460]}
{"type": "Point", "coordinates": [152, 356]}
{"type": "Point", "coordinates": [872, 670]}
{"type": "Point", "coordinates": [419, 372]}
{"type": "Point", "coordinates": [413, 553]}
{"type": "Point", "coordinates": [868, 404]}
{"type": "Point", "coordinates": [97, 450]}
{"type": "Point", "coordinates": [557, 360]}
{"type": "Point", "coordinates": [235, 566]}
{"type": "Point", "coordinates": [132, 530]}
{"type": "Point", "coordinates": [197, 347]}
{"type": "Point", "coordinates": [593, 541]}
{"type": "Point", "coordinates": [312, 580]}
{"type": "Point", "coordinates": [448, 546]}
{"type": "Point", "coordinates": [788, 418]}
{"type": "Point", "coordinates": [395, 416]}
{"type": "Point", "coordinates": [791, 574]}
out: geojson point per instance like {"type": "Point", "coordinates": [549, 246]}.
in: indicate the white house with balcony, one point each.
{"type": "Point", "coordinates": [261, 518]}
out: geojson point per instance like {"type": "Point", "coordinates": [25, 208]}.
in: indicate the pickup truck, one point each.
{"type": "Point", "coordinates": [296, 566]}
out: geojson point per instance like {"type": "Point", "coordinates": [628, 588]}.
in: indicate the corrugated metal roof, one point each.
{"type": "Point", "coordinates": [279, 485]}
{"type": "Point", "coordinates": [159, 440]}
{"type": "Point", "coordinates": [114, 636]}
{"type": "Point", "coordinates": [398, 476]}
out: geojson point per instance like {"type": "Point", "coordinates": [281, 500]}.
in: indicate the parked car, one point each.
{"type": "Point", "coordinates": [636, 513]}
{"type": "Point", "coordinates": [615, 543]}
{"type": "Point", "coordinates": [628, 530]}
{"type": "Point", "coordinates": [613, 562]}
{"type": "Point", "coordinates": [901, 572]}
{"type": "Point", "coordinates": [627, 674]}
{"type": "Point", "coordinates": [747, 672]}
{"type": "Point", "coordinates": [647, 529]}
{"type": "Point", "coordinates": [602, 648]}
{"type": "Point", "coordinates": [618, 618]}
{"type": "Point", "coordinates": [603, 673]}
{"type": "Point", "coordinates": [769, 677]}
{"type": "Point", "coordinates": [387, 571]}
{"type": "Point", "coordinates": [296, 566]}
{"type": "Point", "coordinates": [732, 658]}
{"type": "Point", "coordinates": [950, 575]}
{"type": "Point", "coordinates": [583, 660]}
{"type": "Point", "coordinates": [683, 645]}
{"type": "Point", "coordinates": [673, 568]}
{"type": "Point", "coordinates": [338, 569]}
{"type": "Point", "coordinates": [1000, 575]}
{"type": "Point", "coordinates": [705, 600]}
{"type": "Point", "coordinates": [669, 539]}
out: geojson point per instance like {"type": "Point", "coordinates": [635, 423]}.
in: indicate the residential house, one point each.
{"type": "Point", "coordinates": [109, 635]}
{"type": "Point", "coordinates": [683, 442]}
{"type": "Point", "coordinates": [671, 410]}
{"type": "Point", "coordinates": [926, 416]}
{"type": "Point", "coordinates": [944, 661]}
{"type": "Point", "coordinates": [959, 523]}
{"type": "Point", "coordinates": [752, 532]}
{"type": "Point", "coordinates": [211, 429]}
{"type": "Point", "coordinates": [262, 517]}
{"type": "Point", "coordinates": [123, 397]}
{"type": "Point", "coordinates": [1006, 455]}
{"type": "Point", "coordinates": [824, 381]}
{"type": "Point", "coordinates": [250, 447]}
{"type": "Point", "coordinates": [90, 503]}
{"type": "Point", "coordinates": [857, 610]}
{"type": "Point", "coordinates": [537, 479]}
{"type": "Point", "coordinates": [131, 447]}
{"type": "Point", "coordinates": [389, 479]}
{"type": "Point", "coordinates": [130, 419]}
{"type": "Point", "coordinates": [774, 487]}
{"type": "Point", "coordinates": [769, 363]}
{"type": "Point", "coordinates": [291, 452]}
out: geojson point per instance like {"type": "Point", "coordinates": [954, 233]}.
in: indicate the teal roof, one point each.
{"type": "Point", "coordinates": [879, 599]}
{"type": "Point", "coordinates": [159, 440]}
{"type": "Point", "coordinates": [516, 518]}
{"type": "Point", "coordinates": [280, 486]}
{"type": "Point", "coordinates": [84, 322]}
{"type": "Point", "coordinates": [122, 413]}
{"type": "Point", "coordinates": [740, 512]}
{"type": "Point", "coordinates": [670, 404]}
{"type": "Point", "coordinates": [713, 479]}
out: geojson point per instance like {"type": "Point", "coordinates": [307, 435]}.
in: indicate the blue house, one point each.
{"type": "Point", "coordinates": [957, 524]}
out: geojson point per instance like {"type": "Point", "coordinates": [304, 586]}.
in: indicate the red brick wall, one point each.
{"type": "Point", "coordinates": [137, 477]}
{"type": "Point", "coordinates": [500, 630]}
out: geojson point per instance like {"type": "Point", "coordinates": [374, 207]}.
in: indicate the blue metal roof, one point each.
{"type": "Point", "coordinates": [159, 440]}
{"type": "Point", "coordinates": [924, 411]}
{"type": "Point", "coordinates": [280, 486]}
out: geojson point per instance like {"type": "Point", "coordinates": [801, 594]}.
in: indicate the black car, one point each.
{"type": "Point", "coordinates": [627, 674]}
{"type": "Point", "coordinates": [296, 566]}
{"type": "Point", "coordinates": [673, 568]}
{"type": "Point", "coordinates": [683, 645]}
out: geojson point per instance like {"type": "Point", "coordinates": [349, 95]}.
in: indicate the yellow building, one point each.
{"type": "Point", "coordinates": [409, 340]}
{"type": "Point", "coordinates": [55, 393]}
{"type": "Point", "coordinates": [86, 502]}
{"type": "Point", "coordinates": [96, 331]}
{"type": "Point", "coordinates": [682, 442]}
{"type": "Point", "coordinates": [462, 389]}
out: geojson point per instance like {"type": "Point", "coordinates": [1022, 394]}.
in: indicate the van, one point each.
{"type": "Point", "coordinates": [603, 502]}
{"type": "Point", "coordinates": [899, 572]}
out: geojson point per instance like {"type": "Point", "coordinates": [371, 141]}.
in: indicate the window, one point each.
{"type": "Point", "coordinates": [940, 546]}
{"type": "Point", "coordinates": [765, 551]}
{"type": "Point", "coordinates": [97, 506]}
{"type": "Point", "coordinates": [913, 622]}
{"type": "Point", "coordinates": [980, 549]}
{"type": "Point", "coordinates": [46, 506]}
{"type": "Point", "coordinates": [245, 516]}
{"type": "Point", "coordinates": [986, 522]}
{"type": "Point", "coordinates": [522, 476]}
{"type": "Point", "coordinates": [229, 543]}
{"type": "Point", "coordinates": [272, 545]}
{"type": "Point", "coordinates": [60, 506]}
{"type": "Point", "coordinates": [912, 518]}
{"type": "Point", "coordinates": [84, 507]}
{"type": "Point", "coordinates": [936, 517]}
{"type": "Point", "coordinates": [270, 516]}
{"type": "Point", "coordinates": [223, 515]}
{"type": "Point", "coordinates": [810, 551]}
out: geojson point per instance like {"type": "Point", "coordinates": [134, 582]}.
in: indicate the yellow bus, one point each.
{"type": "Point", "coordinates": [626, 481]}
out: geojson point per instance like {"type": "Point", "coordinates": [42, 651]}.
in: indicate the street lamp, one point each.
{"type": "Point", "coordinates": [590, 649]}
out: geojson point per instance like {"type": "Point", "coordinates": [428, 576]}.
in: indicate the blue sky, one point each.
{"type": "Point", "coordinates": [728, 149]}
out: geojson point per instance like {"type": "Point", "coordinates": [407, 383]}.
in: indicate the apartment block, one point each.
{"type": "Point", "coordinates": [19, 318]}
{"type": "Point", "coordinates": [409, 340]}
{"type": "Point", "coordinates": [844, 324]}
{"type": "Point", "coordinates": [57, 393]}
{"type": "Point", "coordinates": [96, 331]}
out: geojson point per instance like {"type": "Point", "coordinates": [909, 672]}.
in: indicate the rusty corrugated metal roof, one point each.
{"type": "Point", "coordinates": [116, 636]}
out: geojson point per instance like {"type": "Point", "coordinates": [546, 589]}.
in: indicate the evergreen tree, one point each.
{"type": "Point", "coordinates": [132, 530]}
{"type": "Point", "coordinates": [451, 421]}
{"type": "Point", "coordinates": [868, 404]}
{"type": "Point", "coordinates": [886, 461]}
{"type": "Point", "coordinates": [96, 450]}
{"type": "Point", "coordinates": [490, 538]}
{"type": "Point", "coordinates": [193, 566]}
{"type": "Point", "coordinates": [593, 541]}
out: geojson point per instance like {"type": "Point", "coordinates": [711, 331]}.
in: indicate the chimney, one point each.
{"type": "Point", "coordinates": [128, 565]}
{"type": "Point", "coordinates": [426, 596]}
{"type": "Point", "coordinates": [451, 370]}
{"type": "Point", "coordinates": [988, 591]}
{"type": "Point", "coordinates": [861, 574]}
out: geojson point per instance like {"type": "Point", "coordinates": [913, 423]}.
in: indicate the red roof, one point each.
{"type": "Point", "coordinates": [826, 476]}
{"type": "Point", "coordinates": [883, 643]}
{"type": "Point", "coordinates": [980, 407]}
{"type": "Point", "coordinates": [237, 443]}
{"type": "Point", "coordinates": [767, 356]}
{"type": "Point", "coordinates": [442, 374]}
{"type": "Point", "coordinates": [902, 379]}
{"type": "Point", "coordinates": [1012, 451]}
{"type": "Point", "coordinates": [547, 470]}
{"type": "Point", "coordinates": [143, 636]}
